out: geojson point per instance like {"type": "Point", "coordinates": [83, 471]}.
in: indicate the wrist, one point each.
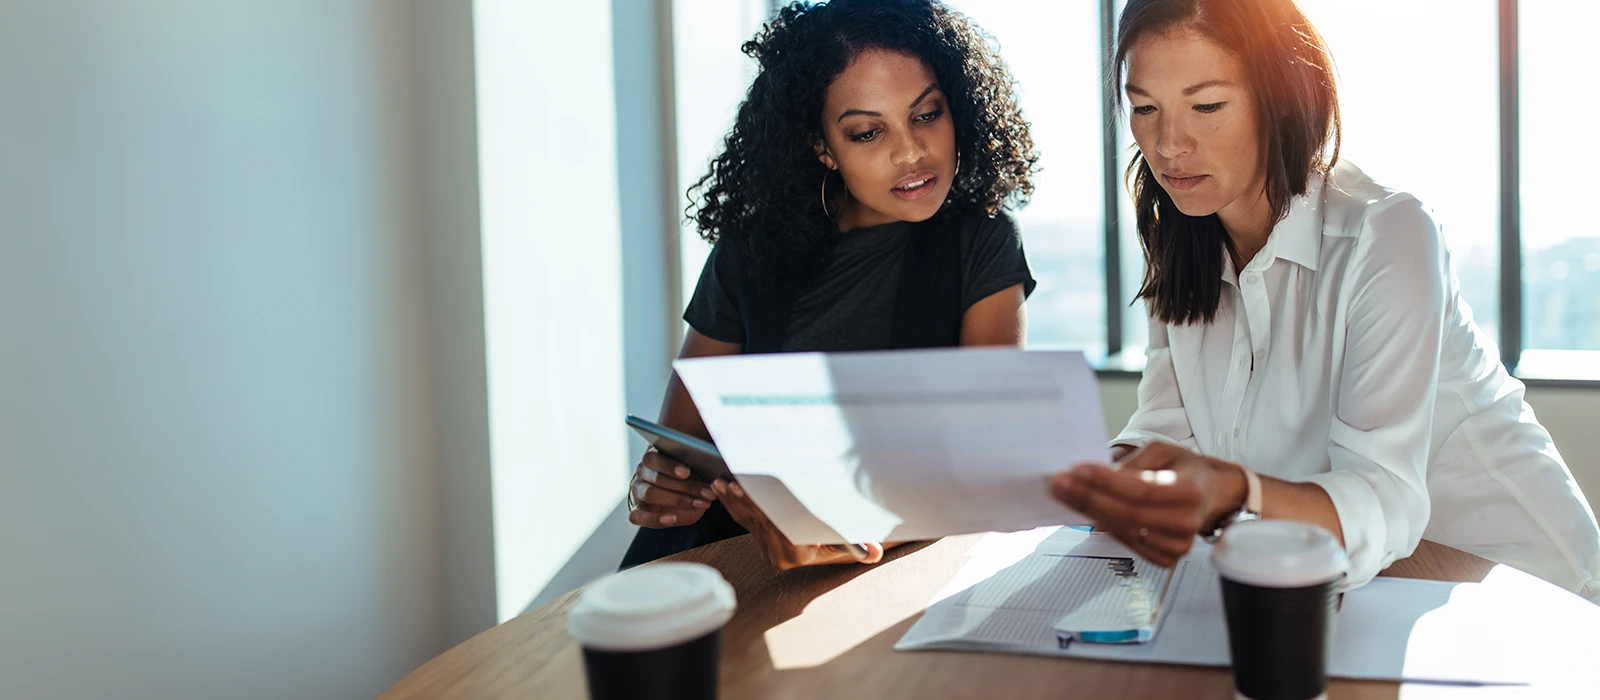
{"type": "Point", "coordinates": [1231, 491]}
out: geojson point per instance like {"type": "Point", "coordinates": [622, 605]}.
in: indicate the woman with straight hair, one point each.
{"type": "Point", "coordinates": [1310, 355]}
{"type": "Point", "coordinates": [858, 204]}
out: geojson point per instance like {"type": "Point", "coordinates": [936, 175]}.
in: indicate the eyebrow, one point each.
{"type": "Point", "coordinates": [1192, 89]}
{"type": "Point", "coordinates": [865, 113]}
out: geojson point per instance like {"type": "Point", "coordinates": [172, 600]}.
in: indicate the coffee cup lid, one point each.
{"type": "Point", "coordinates": [651, 607]}
{"type": "Point", "coordinates": [1279, 554]}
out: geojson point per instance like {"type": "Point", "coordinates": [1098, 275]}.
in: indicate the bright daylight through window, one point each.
{"type": "Point", "coordinates": [1435, 133]}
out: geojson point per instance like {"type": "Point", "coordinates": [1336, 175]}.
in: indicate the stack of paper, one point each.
{"type": "Point", "coordinates": [1045, 598]}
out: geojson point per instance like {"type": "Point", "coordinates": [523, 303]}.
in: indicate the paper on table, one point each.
{"type": "Point", "coordinates": [1501, 631]}
{"type": "Point", "coordinates": [907, 445]}
{"type": "Point", "coordinates": [1386, 630]}
{"type": "Point", "coordinates": [1011, 597]}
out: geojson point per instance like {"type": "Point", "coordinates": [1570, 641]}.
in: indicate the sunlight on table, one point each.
{"type": "Point", "coordinates": [1549, 643]}
{"type": "Point", "coordinates": [841, 619]}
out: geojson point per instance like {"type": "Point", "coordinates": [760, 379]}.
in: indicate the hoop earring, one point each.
{"type": "Point", "coordinates": [825, 211]}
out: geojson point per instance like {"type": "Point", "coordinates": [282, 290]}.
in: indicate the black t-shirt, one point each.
{"type": "Point", "coordinates": [850, 306]}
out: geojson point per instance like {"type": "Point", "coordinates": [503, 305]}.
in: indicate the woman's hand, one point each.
{"type": "Point", "coordinates": [774, 546]}
{"type": "Point", "coordinates": [1157, 499]}
{"type": "Point", "coordinates": [663, 494]}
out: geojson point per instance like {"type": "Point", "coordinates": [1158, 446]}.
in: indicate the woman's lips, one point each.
{"type": "Point", "coordinates": [1184, 183]}
{"type": "Point", "coordinates": [916, 188]}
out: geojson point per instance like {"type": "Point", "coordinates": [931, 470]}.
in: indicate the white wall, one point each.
{"type": "Point", "coordinates": [216, 447]}
{"type": "Point", "coordinates": [454, 266]}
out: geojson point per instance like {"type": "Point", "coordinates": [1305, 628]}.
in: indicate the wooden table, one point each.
{"type": "Point", "coordinates": [827, 632]}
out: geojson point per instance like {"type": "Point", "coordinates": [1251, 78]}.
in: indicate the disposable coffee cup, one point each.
{"type": "Point", "coordinates": [653, 632]}
{"type": "Point", "coordinates": [1281, 581]}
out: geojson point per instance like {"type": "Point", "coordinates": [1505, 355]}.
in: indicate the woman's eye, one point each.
{"type": "Point", "coordinates": [1209, 108]}
{"type": "Point", "coordinates": [1144, 109]}
{"type": "Point", "coordinates": [927, 117]}
{"type": "Point", "coordinates": [864, 136]}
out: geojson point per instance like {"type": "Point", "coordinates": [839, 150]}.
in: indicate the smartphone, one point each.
{"type": "Point", "coordinates": [701, 457]}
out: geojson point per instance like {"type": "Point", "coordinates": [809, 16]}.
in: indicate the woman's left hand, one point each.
{"type": "Point", "coordinates": [1156, 501]}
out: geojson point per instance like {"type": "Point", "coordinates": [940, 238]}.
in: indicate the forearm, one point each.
{"type": "Point", "coordinates": [1307, 503]}
{"type": "Point", "coordinates": [1280, 500]}
{"type": "Point", "coordinates": [678, 410]}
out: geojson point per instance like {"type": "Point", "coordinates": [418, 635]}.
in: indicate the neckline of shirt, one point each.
{"type": "Point", "coordinates": [1302, 224]}
{"type": "Point", "coordinates": [879, 236]}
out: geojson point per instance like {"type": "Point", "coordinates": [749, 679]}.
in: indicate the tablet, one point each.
{"type": "Point", "coordinates": [701, 457]}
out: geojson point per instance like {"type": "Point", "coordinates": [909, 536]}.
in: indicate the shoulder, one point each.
{"type": "Point", "coordinates": [980, 230]}
{"type": "Point", "coordinates": [1356, 206]}
{"type": "Point", "coordinates": [1377, 219]}
{"type": "Point", "coordinates": [727, 257]}
{"type": "Point", "coordinates": [1382, 227]}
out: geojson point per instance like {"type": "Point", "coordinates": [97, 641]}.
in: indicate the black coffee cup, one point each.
{"type": "Point", "coordinates": [1281, 582]}
{"type": "Point", "coordinates": [653, 632]}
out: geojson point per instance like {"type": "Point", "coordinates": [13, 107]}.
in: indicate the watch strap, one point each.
{"type": "Point", "coordinates": [1252, 496]}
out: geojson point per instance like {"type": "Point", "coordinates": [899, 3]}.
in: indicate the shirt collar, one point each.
{"type": "Point", "coordinates": [1297, 238]}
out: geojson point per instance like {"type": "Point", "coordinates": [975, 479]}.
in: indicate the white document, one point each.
{"type": "Point", "coordinates": [1019, 588]}
{"type": "Point", "coordinates": [904, 445]}
{"type": "Point", "coordinates": [1497, 632]}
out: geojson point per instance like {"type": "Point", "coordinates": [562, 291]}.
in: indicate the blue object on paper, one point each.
{"type": "Point", "coordinates": [1120, 604]}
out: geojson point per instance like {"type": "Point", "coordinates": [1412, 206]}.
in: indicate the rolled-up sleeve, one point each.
{"type": "Point", "coordinates": [1160, 415]}
{"type": "Point", "coordinates": [1393, 310]}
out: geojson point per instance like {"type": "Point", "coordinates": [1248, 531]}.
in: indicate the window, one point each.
{"type": "Point", "coordinates": [1434, 133]}
{"type": "Point", "coordinates": [1560, 237]}
{"type": "Point", "coordinates": [1421, 92]}
{"type": "Point", "coordinates": [1053, 51]}
{"type": "Point", "coordinates": [710, 75]}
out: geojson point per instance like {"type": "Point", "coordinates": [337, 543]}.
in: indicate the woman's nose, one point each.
{"type": "Point", "coordinates": [1173, 140]}
{"type": "Point", "coordinates": [909, 151]}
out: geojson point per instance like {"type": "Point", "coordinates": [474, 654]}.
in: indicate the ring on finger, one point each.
{"type": "Point", "coordinates": [633, 503]}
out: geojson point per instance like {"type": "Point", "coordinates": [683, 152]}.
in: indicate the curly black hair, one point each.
{"type": "Point", "coordinates": [761, 192]}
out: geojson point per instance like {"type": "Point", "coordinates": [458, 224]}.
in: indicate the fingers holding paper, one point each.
{"type": "Point", "coordinates": [775, 547]}
{"type": "Point", "coordinates": [1155, 501]}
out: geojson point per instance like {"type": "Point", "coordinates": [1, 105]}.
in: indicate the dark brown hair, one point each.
{"type": "Point", "coordinates": [1290, 75]}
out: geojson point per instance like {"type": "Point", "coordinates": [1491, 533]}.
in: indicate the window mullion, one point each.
{"type": "Point", "coordinates": [1510, 192]}
{"type": "Point", "coordinates": [1108, 145]}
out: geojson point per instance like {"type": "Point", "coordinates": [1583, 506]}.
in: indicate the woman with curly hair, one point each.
{"type": "Point", "coordinates": [858, 204]}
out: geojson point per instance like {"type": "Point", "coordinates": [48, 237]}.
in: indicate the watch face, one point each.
{"type": "Point", "coordinates": [1239, 516]}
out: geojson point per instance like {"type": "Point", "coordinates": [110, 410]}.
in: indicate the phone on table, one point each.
{"type": "Point", "coordinates": [700, 456]}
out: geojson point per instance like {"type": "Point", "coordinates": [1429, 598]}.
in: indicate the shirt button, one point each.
{"type": "Point", "coordinates": [1252, 278]}
{"type": "Point", "coordinates": [1261, 355]}
{"type": "Point", "coordinates": [1236, 432]}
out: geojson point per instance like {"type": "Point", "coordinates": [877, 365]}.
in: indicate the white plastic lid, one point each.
{"type": "Point", "coordinates": [651, 607]}
{"type": "Point", "coordinates": [1279, 554]}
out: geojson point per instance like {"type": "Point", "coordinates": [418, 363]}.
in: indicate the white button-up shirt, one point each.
{"type": "Point", "coordinates": [1343, 355]}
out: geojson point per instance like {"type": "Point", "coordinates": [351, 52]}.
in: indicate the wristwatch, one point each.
{"type": "Point", "coordinates": [1251, 510]}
